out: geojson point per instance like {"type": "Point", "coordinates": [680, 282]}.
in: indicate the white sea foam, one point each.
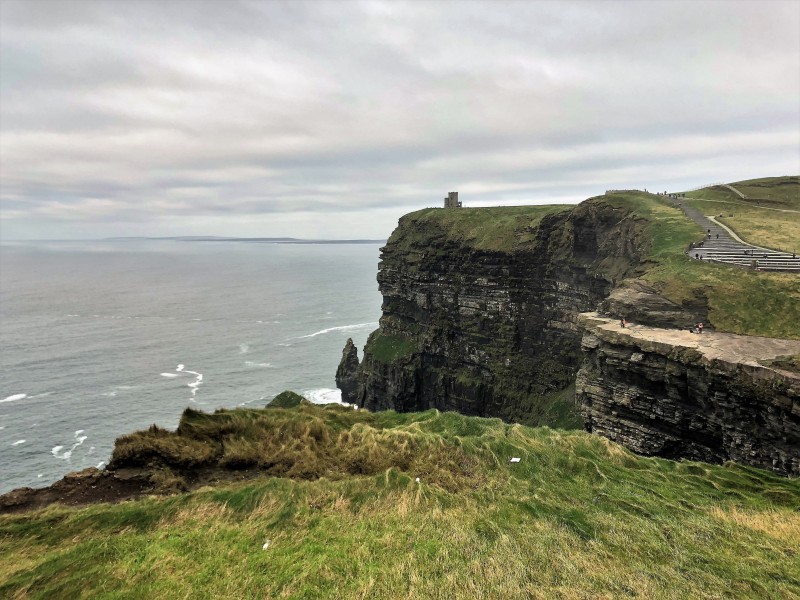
{"type": "Point", "coordinates": [2, 427]}
{"type": "Point", "coordinates": [13, 398]}
{"type": "Point", "coordinates": [67, 454]}
{"type": "Point", "coordinates": [179, 368]}
{"type": "Point", "coordinates": [250, 363]}
{"type": "Point", "coordinates": [101, 464]}
{"type": "Point", "coordinates": [170, 375]}
{"type": "Point", "coordinates": [198, 380]}
{"type": "Point", "coordinates": [244, 348]}
{"type": "Point", "coordinates": [18, 442]}
{"type": "Point", "coordinates": [340, 328]}
{"type": "Point", "coordinates": [324, 396]}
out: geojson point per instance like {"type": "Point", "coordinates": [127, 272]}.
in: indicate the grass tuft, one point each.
{"type": "Point", "coordinates": [577, 517]}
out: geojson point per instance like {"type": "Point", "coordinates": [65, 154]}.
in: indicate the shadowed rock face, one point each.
{"type": "Point", "coordinates": [710, 397]}
{"type": "Point", "coordinates": [347, 373]}
{"type": "Point", "coordinates": [489, 332]}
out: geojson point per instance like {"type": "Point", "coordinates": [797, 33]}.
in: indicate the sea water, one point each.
{"type": "Point", "coordinates": [101, 338]}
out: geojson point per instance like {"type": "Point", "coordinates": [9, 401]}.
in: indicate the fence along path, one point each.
{"type": "Point", "coordinates": [720, 246]}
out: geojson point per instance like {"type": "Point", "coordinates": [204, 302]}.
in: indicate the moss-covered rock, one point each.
{"type": "Point", "coordinates": [287, 399]}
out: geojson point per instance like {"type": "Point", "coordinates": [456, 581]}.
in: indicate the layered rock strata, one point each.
{"type": "Point", "coordinates": [491, 329]}
{"type": "Point", "coordinates": [711, 397]}
{"type": "Point", "coordinates": [347, 373]}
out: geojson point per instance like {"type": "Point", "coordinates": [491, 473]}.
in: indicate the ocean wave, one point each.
{"type": "Point", "coordinates": [170, 375]}
{"type": "Point", "coordinates": [18, 442]}
{"type": "Point", "coordinates": [340, 328]}
{"type": "Point", "coordinates": [13, 398]}
{"type": "Point", "coordinates": [67, 454]}
{"type": "Point", "coordinates": [244, 348]}
{"type": "Point", "coordinates": [198, 380]}
{"type": "Point", "coordinates": [250, 363]}
{"type": "Point", "coordinates": [324, 396]}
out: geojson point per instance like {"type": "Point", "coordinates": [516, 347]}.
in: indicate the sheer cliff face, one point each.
{"type": "Point", "coordinates": [710, 397]}
{"type": "Point", "coordinates": [490, 328]}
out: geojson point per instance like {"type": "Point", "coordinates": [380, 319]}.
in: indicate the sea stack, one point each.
{"type": "Point", "coordinates": [347, 373]}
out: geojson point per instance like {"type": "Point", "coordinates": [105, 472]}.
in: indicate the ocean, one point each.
{"type": "Point", "coordinates": [101, 338]}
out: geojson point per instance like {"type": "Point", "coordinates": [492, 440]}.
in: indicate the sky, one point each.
{"type": "Point", "coordinates": [333, 119]}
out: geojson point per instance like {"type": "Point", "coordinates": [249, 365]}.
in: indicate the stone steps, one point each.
{"type": "Point", "coordinates": [720, 247]}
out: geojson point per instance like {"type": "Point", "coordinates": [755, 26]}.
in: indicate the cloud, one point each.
{"type": "Point", "coordinates": [165, 118]}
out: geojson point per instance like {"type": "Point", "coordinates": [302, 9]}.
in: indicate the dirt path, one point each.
{"type": "Point", "coordinates": [728, 347]}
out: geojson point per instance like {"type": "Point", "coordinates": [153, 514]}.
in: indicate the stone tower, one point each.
{"type": "Point", "coordinates": [451, 201]}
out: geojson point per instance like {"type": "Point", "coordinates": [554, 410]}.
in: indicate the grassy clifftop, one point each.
{"type": "Point", "coordinates": [498, 228]}
{"type": "Point", "coordinates": [739, 301]}
{"type": "Point", "coordinates": [577, 516]}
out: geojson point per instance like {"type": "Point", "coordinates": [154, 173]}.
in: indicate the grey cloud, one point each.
{"type": "Point", "coordinates": [114, 112]}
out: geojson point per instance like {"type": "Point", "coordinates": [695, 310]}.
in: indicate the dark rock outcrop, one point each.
{"type": "Point", "coordinates": [710, 397]}
{"type": "Point", "coordinates": [638, 302]}
{"type": "Point", "coordinates": [80, 488]}
{"type": "Point", "coordinates": [347, 373]}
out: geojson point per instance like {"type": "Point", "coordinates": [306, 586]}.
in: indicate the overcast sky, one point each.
{"type": "Point", "coordinates": [333, 119]}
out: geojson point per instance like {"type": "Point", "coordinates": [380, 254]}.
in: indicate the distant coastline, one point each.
{"type": "Point", "coordinates": [264, 240]}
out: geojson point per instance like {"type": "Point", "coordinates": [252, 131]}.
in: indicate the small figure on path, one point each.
{"type": "Point", "coordinates": [699, 328]}
{"type": "Point", "coordinates": [622, 323]}
{"type": "Point", "coordinates": [717, 236]}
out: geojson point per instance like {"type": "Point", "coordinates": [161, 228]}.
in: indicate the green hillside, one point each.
{"type": "Point", "coordinates": [344, 517]}
{"type": "Point", "coordinates": [739, 301]}
{"type": "Point", "coordinates": [769, 216]}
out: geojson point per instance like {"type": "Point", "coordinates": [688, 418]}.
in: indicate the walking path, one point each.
{"type": "Point", "coordinates": [728, 347]}
{"type": "Point", "coordinates": [724, 246]}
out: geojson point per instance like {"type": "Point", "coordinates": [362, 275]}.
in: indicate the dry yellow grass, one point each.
{"type": "Point", "coordinates": [783, 525]}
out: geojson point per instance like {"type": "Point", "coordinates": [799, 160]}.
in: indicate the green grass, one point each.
{"type": "Point", "coordinates": [761, 219]}
{"type": "Point", "coordinates": [739, 301]}
{"type": "Point", "coordinates": [497, 228]}
{"type": "Point", "coordinates": [387, 348]}
{"type": "Point", "coordinates": [578, 517]}
{"type": "Point", "coordinates": [287, 399]}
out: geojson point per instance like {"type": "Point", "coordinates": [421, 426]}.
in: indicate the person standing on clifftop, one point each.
{"type": "Point", "coordinates": [699, 328]}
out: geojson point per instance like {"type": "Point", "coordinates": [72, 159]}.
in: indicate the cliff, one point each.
{"type": "Point", "coordinates": [480, 307]}
{"type": "Point", "coordinates": [481, 316]}
{"type": "Point", "coordinates": [710, 397]}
